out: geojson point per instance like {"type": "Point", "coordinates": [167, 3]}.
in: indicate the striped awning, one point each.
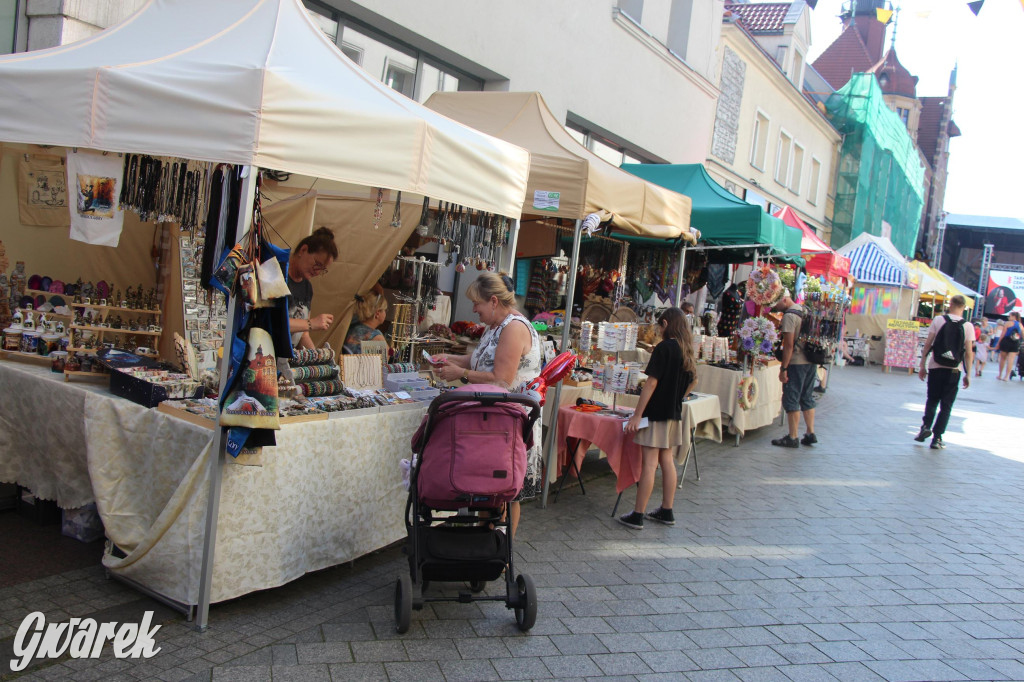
{"type": "Point", "coordinates": [870, 264]}
{"type": "Point", "coordinates": [874, 260]}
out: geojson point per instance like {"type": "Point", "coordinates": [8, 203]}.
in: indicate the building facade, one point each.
{"type": "Point", "coordinates": [771, 144]}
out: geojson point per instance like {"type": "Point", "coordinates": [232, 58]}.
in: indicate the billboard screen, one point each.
{"type": "Point", "coordinates": [1004, 293]}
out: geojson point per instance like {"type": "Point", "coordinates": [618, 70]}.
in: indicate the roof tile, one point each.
{"type": "Point", "coordinates": [845, 56]}
{"type": "Point", "coordinates": [761, 17]}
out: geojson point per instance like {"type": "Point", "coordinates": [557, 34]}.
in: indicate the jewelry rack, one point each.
{"type": "Point", "coordinates": [405, 323]}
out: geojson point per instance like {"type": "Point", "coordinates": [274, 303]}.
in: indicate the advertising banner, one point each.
{"type": "Point", "coordinates": [1004, 292]}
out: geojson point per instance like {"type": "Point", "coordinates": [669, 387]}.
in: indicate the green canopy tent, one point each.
{"type": "Point", "coordinates": [723, 218]}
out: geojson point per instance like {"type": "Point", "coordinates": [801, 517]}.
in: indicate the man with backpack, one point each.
{"type": "Point", "coordinates": [797, 374]}
{"type": "Point", "coordinates": [949, 346]}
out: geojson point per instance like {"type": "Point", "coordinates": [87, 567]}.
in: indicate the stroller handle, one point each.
{"type": "Point", "coordinates": [485, 398]}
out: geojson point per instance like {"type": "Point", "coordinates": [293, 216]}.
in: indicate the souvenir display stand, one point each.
{"type": "Point", "coordinates": [163, 486]}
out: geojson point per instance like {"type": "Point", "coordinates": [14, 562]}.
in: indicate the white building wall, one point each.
{"type": "Point", "coordinates": [766, 90]}
{"type": "Point", "coordinates": [584, 56]}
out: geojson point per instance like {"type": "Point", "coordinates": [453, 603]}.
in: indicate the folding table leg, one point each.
{"type": "Point", "coordinates": [573, 465]}
{"type": "Point", "coordinates": [686, 460]}
{"type": "Point", "coordinates": [617, 500]}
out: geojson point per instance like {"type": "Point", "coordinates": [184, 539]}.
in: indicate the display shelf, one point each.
{"type": "Point", "coordinates": [30, 358]}
{"type": "Point", "coordinates": [74, 373]}
{"type": "Point", "coordinates": [117, 330]}
{"type": "Point", "coordinates": [96, 306]}
{"type": "Point", "coordinates": [49, 314]}
{"type": "Point", "coordinates": [71, 349]}
{"type": "Point", "coordinates": [40, 292]}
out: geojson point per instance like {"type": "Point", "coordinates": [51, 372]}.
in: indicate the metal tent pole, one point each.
{"type": "Point", "coordinates": [550, 451]}
{"type": "Point", "coordinates": [220, 437]}
{"type": "Point", "coordinates": [679, 277]}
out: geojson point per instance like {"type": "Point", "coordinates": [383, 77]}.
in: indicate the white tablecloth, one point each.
{"type": "Point", "coordinates": [330, 491]}
{"type": "Point", "coordinates": [725, 384]}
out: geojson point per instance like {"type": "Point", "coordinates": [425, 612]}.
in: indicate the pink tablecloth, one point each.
{"type": "Point", "coordinates": [606, 433]}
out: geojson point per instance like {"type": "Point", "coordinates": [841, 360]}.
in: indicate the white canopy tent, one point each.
{"type": "Point", "coordinates": [250, 82]}
{"type": "Point", "coordinates": [254, 83]}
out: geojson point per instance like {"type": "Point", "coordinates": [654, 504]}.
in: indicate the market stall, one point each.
{"type": "Point", "coordinates": [572, 189]}
{"type": "Point", "coordinates": [820, 259]}
{"type": "Point", "coordinates": [884, 290]}
{"type": "Point", "coordinates": [252, 84]}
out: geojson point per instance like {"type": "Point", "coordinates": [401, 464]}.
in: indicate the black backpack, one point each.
{"type": "Point", "coordinates": [815, 353]}
{"type": "Point", "coordinates": [948, 347]}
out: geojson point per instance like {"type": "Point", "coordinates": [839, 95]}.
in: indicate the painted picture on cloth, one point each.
{"type": "Point", "coordinates": [96, 196]}
{"type": "Point", "coordinates": [254, 401]}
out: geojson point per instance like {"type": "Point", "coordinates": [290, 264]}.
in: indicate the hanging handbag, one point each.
{"type": "Point", "coordinates": [271, 279]}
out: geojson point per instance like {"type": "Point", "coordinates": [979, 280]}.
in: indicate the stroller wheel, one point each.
{"type": "Point", "coordinates": [403, 603]}
{"type": "Point", "coordinates": [477, 585]}
{"type": "Point", "coordinates": [526, 608]}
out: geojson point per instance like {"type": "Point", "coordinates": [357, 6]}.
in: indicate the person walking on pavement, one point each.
{"type": "Point", "coordinates": [1009, 347]}
{"type": "Point", "coordinates": [797, 375]}
{"type": "Point", "coordinates": [947, 348]}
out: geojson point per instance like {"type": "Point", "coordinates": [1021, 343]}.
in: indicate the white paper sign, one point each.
{"type": "Point", "coordinates": [546, 201]}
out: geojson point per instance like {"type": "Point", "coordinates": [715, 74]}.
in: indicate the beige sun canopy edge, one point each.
{"type": "Point", "coordinates": [585, 182]}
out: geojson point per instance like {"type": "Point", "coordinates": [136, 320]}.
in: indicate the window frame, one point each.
{"type": "Point", "coordinates": [794, 172]}
{"type": "Point", "coordinates": [814, 186]}
{"type": "Point", "coordinates": [756, 137]}
{"type": "Point", "coordinates": [778, 157]}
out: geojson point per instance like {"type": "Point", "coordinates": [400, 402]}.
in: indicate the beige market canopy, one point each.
{"type": "Point", "coordinates": [251, 82]}
{"type": "Point", "coordinates": [585, 182]}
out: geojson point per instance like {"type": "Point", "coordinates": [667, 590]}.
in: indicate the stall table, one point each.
{"type": "Point", "coordinates": [329, 492]}
{"type": "Point", "coordinates": [725, 384]}
{"type": "Point", "coordinates": [701, 417]}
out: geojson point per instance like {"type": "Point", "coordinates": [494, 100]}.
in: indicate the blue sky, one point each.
{"type": "Point", "coordinates": [985, 168]}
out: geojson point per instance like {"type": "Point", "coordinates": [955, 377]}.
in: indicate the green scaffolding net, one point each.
{"type": "Point", "coordinates": [881, 178]}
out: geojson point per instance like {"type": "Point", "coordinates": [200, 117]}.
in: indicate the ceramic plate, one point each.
{"type": "Point", "coordinates": [44, 283]}
{"type": "Point", "coordinates": [57, 287]}
{"type": "Point", "coordinates": [103, 289]}
{"type": "Point", "coordinates": [34, 281]}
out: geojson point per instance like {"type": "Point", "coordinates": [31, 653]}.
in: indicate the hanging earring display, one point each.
{"type": "Point", "coordinates": [164, 189]}
{"type": "Point", "coordinates": [424, 227]}
{"type": "Point", "coordinates": [378, 210]}
{"type": "Point", "coordinates": [396, 216]}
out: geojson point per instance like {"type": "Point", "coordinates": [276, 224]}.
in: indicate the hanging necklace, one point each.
{"type": "Point", "coordinates": [378, 210]}
{"type": "Point", "coordinates": [396, 216]}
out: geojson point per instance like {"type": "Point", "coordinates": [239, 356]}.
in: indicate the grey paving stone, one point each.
{"type": "Point", "coordinates": [521, 668]}
{"type": "Point", "coordinates": [758, 656]}
{"type": "Point", "coordinates": [322, 652]}
{"type": "Point", "coordinates": [252, 673]}
{"type": "Point", "coordinates": [571, 666]}
{"type": "Point", "coordinates": [578, 644]}
{"type": "Point", "coordinates": [469, 671]}
{"type": "Point", "coordinates": [358, 672]}
{"type": "Point", "coordinates": [621, 664]}
{"type": "Point", "coordinates": [412, 672]}
{"type": "Point", "coordinates": [347, 632]}
{"type": "Point", "coordinates": [907, 671]}
{"type": "Point", "coordinates": [301, 673]}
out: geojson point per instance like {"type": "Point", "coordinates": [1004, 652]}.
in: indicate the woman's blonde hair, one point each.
{"type": "Point", "coordinates": [368, 304]}
{"type": "Point", "coordinates": [489, 284]}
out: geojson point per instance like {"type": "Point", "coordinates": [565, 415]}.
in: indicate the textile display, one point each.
{"type": "Point", "coordinates": [290, 503]}
{"type": "Point", "coordinates": [901, 343]}
{"type": "Point", "coordinates": [872, 301]}
{"type": "Point", "coordinates": [42, 191]}
{"type": "Point", "coordinates": [95, 179]}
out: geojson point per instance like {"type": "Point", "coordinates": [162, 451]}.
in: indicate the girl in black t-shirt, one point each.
{"type": "Point", "coordinates": [671, 376]}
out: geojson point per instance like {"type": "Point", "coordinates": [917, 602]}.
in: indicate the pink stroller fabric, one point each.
{"type": "Point", "coordinates": [474, 455]}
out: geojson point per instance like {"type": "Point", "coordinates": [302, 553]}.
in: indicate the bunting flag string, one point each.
{"type": "Point", "coordinates": [976, 6]}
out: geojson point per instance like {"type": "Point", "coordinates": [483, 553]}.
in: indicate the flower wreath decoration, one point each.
{"type": "Point", "coordinates": [764, 286]}
{"type": "Point", "coordinates": [747, 393]}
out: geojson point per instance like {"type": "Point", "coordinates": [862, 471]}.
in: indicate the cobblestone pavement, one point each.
{"type": "Point", "coordinates": [866, 557]}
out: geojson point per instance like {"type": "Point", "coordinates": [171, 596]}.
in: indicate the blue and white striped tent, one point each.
{"type": "Point", "coordinates": [874, 260]}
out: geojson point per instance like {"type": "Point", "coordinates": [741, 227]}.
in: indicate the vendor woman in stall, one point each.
{"type": "Point", "coordinates": [371, 309]}
{"type": "Point", "coordinates": [311, 258]}
{"type": "Point", "coordinates": [509, 354]}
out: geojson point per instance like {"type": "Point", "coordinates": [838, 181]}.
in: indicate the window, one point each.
{"type": "Point", "coordinates": [812, 192]}
{"type": "Point", "coordinates": [633, 8]}
{"type": "Point", "coordinates": [798, 68]}
{"type": "Point", "coordinates": [798, 168]}
{"type": "Point", "coordinates": [612, 152]}
{"type": "Point", "coordinates": [759, 141]}
{"type": "Point", "coordinates": [397, 65]}
{"type": "Point", "coordinates": [904, 115]}
{"type": "Point", "coordinates": [8, 25]}
{"type": "Point", "coordinates": [782, 158]}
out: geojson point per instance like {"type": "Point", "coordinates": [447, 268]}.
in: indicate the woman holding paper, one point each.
{"type": "Point", "coordinates": [671, 376]}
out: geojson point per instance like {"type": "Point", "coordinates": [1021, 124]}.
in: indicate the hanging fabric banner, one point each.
{"type": "Point", "coordinates": [42, 191]}
{"type": "Point", "coordinates": [95, 179]}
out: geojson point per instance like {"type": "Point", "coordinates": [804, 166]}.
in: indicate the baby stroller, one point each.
{"type": "Point", "coordinates": [469, 463]}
